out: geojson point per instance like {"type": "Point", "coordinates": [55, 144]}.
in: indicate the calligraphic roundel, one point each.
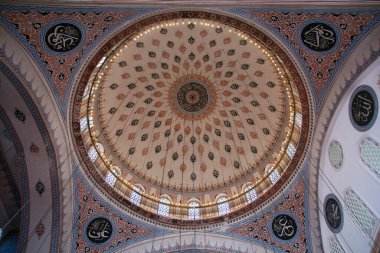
{"type": "Point", "coordinates": [333, 213]}
{"type": "Point", "coordinates": [318, 36]}
{"type": "Point", "coordinates": [99, 230]}
{"type": "Point", "coordinates": [364, 107]}
{"type": "Point", "coordinates": [284, 227]}
{"type": "Point", "coordinates": [63, 37]}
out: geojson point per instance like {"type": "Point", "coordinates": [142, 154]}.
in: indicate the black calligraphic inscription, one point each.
{"type": "Point", "coordinates": [284, 227]}
{"type": "Point", "coordinates": [318, 37]}
{"type": "Point", "coordinates": [99, 230]}
{"type": "Point", "coordinates": [63, 37]}
{"type": "Point", "coordinates": [333, 213]}
{"type": "Point", "coordinates": [363, 108]}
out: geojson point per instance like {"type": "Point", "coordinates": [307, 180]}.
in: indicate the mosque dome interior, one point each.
{"type": "Point", "coordinates": [189, 126]}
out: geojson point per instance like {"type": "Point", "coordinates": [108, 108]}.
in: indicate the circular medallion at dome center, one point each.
{"type": "Point", "coordinates": [192, 97]}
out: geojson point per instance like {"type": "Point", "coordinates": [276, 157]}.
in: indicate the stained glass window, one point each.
{"type": "Point", "coordinates": [298, 119]}
{"type": "Point", "coordinates": [101, 62]}
{"type": "Point", "coordinates": [163, 207]}
{"type": "Point", "coordinates": [83, 124]}
{"type": "Point", "coordinates": [136, 195]}
{"type": "Point", "coordinates": [274, 176]}
{"type": "Point", "coordinates": [110, 178]}
{"type": "Point", "coordinates": [291, 150]}
{"type": "Point", "coordinates": [86, 92]}
{"type": "Point", "coordinates": [250, 194]}
{"type": "Point", "coordinates": [370, 154]}
{"type": "Point", "coordinates": [223, 207]}
{"type": "Point", "coordinates": [194, 212]}
{"type": "Point", "coordinates": [92, 154]}
{"type": "Point", "coordinates": [336, 154]}
{"type": "Point", "coordinates": [364, 216]}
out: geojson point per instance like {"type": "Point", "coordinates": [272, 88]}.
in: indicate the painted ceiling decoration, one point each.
{"type": "Point", "coordinates": [59, 39]}
{"type": "Point", "coordinates": [339, 31]}
{"type": "Point", "coordinates": [319, 37]}
{"type": "Point", "coordinates": [281, 228]}
{"type": "Point", "coordinates": [190, 121]}
{"type": "Point", "coordinates": [191, 107]}
{"type": "Point", "coordinates": [99, 227]}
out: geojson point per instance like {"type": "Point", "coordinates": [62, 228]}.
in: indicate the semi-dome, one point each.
{"type": "Point", "coordinates": [191, 116]}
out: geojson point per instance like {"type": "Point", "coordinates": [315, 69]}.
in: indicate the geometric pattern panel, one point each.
{"type": "Point", "coordinates": [335, 246]}
{"type": "Point", "coordinates": [370, 154]}
{"type": "Point", "coordinates": [362, 214]}
{"type": "Point", "coordinates": [90, 209]}
{"type": "Point", "coordinates": [260, 228]}
{"type": "Point", "coordinates": [346, 26]}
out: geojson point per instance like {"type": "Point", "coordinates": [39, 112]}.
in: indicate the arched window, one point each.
{"type": "Point", "coordinates": [291, 150]}
{"type": "Point", "coordinates": [86, 92]}
{"type": "Point", "coordinates": [112, 175]}
{"type": "Point", "coordinates": [93, 154]}
{"type": "Point", "coordinates": [163, 206]}
{"type": "Point", "coordinates": [250, 193]}
{"type": "Point", "coordinates": [370, 154]}
{"type": "Point", "coordinates": [101, 62]}
{"type": "Point", "coordinates": [274, 176]}
{"type": "Point", "coordinates": [83, 123]}
{"type": "Point", "coordinates": [194, 212]}
{"type": "Point", "coordinates": [364, 216]}
{"type": "Point", "coordinates": [223, 207]}
{"type": "Point", "coordinates": [136, 195]}
{"type": "Point", "coordinates": [298, 119]}
{"type": "Point", "coordinates": [335, 246]}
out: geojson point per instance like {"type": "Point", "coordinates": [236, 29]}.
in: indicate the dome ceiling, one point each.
{"type": "Point", "coordinates": [191, 104]}
{"type": "Point", "coordinates": [191, 109]}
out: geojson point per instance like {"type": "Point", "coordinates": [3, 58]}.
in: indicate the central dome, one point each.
{"type": "Point", "coordinates": [191, 114]}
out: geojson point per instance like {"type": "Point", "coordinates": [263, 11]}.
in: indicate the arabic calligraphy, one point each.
{"type": "Point", "coordinates": [99, 230]}
{"type": "Point", "coordinates": [284, 227]}
{"type": "Point", "coordinates": [333, 213]}
{"type": "Point", "coordinates": [318, 37]}
{"type": "Point", "coordinates": [63, 37]}
{"type": "Point", "coordinates": [363, 107]}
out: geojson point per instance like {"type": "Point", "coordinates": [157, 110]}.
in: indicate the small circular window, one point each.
{"type": "Point", "coordinates": [336, 154]}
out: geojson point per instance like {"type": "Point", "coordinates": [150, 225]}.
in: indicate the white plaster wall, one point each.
{"type": "Point", "coordinates": [203, 240]}
{"type": "Point", "coordinates": [353, 174]}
